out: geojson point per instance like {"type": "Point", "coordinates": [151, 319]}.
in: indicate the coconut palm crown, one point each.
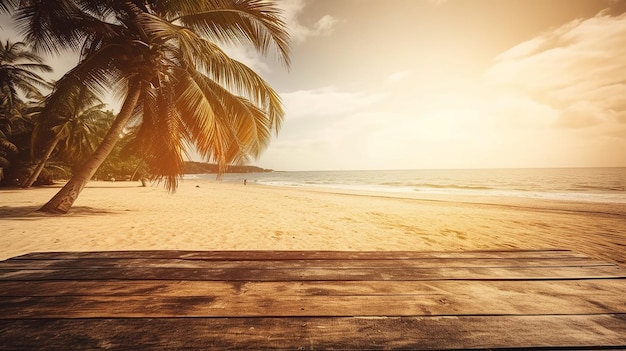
{"type": "Point", "coordinates": [18, 75]}
{"type": "Point", "coordinates": [72, 131]}
{"type": "Point", "coordinates": [178, 87]}
{"type": "Point", "coordinates": [20, 85]}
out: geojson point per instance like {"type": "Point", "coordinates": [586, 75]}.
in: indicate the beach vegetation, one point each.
{"type": "Point", "coordinates": [72, 130]}
{"type": "Point", "coordinates": [177, 86]}
{"type": "Point", "coordinates": [15, 131]}
{"type": "Point", "coordinates": [20, 94]}
{"type": "Point", "coordinates": [123, 163]}
{"type": "Point", "coordinates": [192, 167]}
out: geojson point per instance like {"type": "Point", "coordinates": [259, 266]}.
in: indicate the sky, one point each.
{"type": "Point", "coordinates": [437, 84]}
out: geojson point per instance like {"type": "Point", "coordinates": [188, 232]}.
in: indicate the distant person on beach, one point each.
{"type": "Point", "coordinates": [245, 182]}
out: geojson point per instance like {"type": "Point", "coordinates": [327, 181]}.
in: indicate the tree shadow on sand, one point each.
{"type": "Point", "coordinates": [31, 213]}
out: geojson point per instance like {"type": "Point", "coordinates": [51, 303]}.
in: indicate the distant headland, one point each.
{"type": "Point", "coordinates": [192, 167]}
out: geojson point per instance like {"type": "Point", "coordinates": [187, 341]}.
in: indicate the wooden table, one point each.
{"type": "Point", "coordinates": [133, 300]}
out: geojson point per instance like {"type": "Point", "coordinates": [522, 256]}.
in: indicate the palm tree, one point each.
{"type": "Point", "coordinates": [17, 76]}
{"type": "Point", "coordinates": [18, 82]}
{"type": "Point", "coordinates": [15, 130]}
{"type": "Point", "coordinates": [75, 126]}
{"type": "Point", "coordinates": [178, 86]}
{"type": "Point", "coordinates": [7, 147]}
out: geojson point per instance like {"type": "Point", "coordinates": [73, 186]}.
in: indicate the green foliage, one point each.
{"type": "Point", "coordinates": [14, 143]}
{"type": "Point", "coordinates": [179, 87]}
{"type": "Point", "coordinates": [75, 133]}
{"type": "Point", "coordinates": [19, 95]}
{"type": "Point", "coordinates": [192, 167]}
{"type": "Point", "coordinates": [185, 90]}
{"type": "Point", "coordinates": [75, 127]}
{"type": "Point", "coordinates": [121, 166]}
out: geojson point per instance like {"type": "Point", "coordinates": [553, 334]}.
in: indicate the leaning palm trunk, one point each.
{"type": "Point", "coordinates": [42, 163]}
{"type": "Point", "coordinates": [63, 200]}
{"type": "Point", "coordinates": [139, 164]}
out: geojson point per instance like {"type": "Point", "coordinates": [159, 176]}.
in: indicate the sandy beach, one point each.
{"type": "Point", "coordinates": [210, 215]}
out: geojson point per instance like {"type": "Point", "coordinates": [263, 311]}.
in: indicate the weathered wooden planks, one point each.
{"type": "Point", "coordinates": [304, 255]}
{"type": "Point", "coordinates": [311, 300]}
{"type": "Point", "coordinates": [407, 333]}
{"type": "Point", "coordinates": [590, 287]}
{"type": "Point", "coordinates": [428, 262]}
{"type": "Point", "coordinates": [511, 271]}
{"type": "Point", "coordinates": [150, 299]}
{"type": "Point", "coordinates": [139, 306]}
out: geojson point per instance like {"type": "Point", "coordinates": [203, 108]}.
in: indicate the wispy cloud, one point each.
{"type": "Point", "coordinates": [248, 56]}
{"type": "Point", "coordinates": [322, 122]}
{"type": "Point", "coordinates": [293, 9]}
{"type": "Point", "coordinates": [326, 102]}
{"type": "Point", "coordinates": [578, 68]}
{"type": "Point", "coordinates": [398, 76]}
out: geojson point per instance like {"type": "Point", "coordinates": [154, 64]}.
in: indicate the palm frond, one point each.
{"type": "Point", "coordinates": [229, 129]}
{"type": "Point", "coordinates": [250, 125]}
{"type": "Point", "coordinates": [72, 126]}
{"type": "Point", "coordinates": [256, 22]}
{"type": "Point", "coordinates": [208, 57]}
{"type": "Point", "coordinates": [180, 87]}
{"type": "Point", "coordinates": [7, 5]}
{"type": "Point", "coordinates": [56, 25]}
{"type": "Point", "coordinates": [160, 136]}
{"type": "Point", "coordinates": [238, 78]}
{"type": "Point", "coordinates": [26, 80]}
{"type": "Point", "coordinates": [17, 73]}
{"type": "Point", "coordinates": [204, 117]}
{"type": "Point", "coordinates": [94, 74]}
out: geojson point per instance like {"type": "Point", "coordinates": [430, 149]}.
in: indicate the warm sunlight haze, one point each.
{"type": "Point", "coordinates": [452, 84]}
{"type": "Point", "coordinates": [410, 84]}
{"type": "Point", "coordinates": [313, 175]}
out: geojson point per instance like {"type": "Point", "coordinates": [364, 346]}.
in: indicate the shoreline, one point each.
{"type": "Point", "coordinates": [211, 215]}
{"type": "Point", "coordinates": [519, 202]}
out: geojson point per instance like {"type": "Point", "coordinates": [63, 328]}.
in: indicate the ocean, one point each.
{"type": "Point", "coordinates": [606, 185]}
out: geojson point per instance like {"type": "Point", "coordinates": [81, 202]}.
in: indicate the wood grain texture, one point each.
{"type": "Point", "coordinates": [304, 255]}
{"type": "Point", "coordinates": [407, 333]}
{"type": "Point", "coordinates": [427, 262]}
{"type": "Point", "coordinates": [164, 300]}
